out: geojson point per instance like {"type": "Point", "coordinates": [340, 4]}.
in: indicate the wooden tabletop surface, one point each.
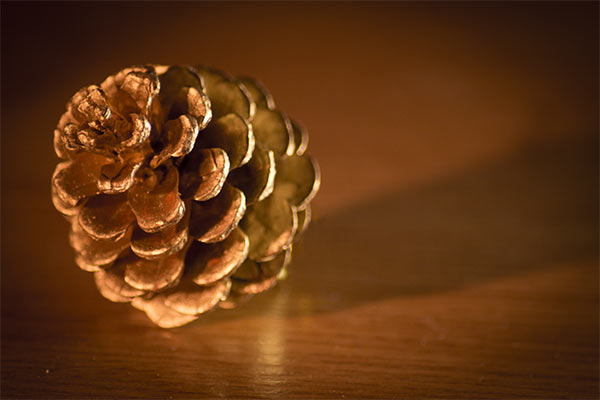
{"type": "Point", "coordinates": [454, 249]}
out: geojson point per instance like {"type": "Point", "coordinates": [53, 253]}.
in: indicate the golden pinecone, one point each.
{"type": "Point", "coordinates": [184, 187]}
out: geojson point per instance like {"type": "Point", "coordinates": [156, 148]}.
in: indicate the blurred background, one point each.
{"type": "Point", "coordinates": [454, 250]}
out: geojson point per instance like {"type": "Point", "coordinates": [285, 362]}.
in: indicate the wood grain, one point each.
{"type": "Point", "coordinates": [454, 251]}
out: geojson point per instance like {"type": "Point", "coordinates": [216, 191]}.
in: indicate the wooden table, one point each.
{"type": "Point", "coordinates": [454, 251]}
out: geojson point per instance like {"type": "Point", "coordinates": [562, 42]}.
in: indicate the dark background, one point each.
{"type": "Point", "coordinates": [454, 251]}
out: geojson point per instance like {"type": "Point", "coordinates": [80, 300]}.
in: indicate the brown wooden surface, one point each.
{"type": "Point", "coordinates": [454, 251]}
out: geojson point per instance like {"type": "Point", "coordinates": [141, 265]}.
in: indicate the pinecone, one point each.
{"type": "Point", "coordinates": [185, 188]}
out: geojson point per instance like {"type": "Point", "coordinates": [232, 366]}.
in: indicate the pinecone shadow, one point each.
{"type": "Point", "coordinates": [534, 210]}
